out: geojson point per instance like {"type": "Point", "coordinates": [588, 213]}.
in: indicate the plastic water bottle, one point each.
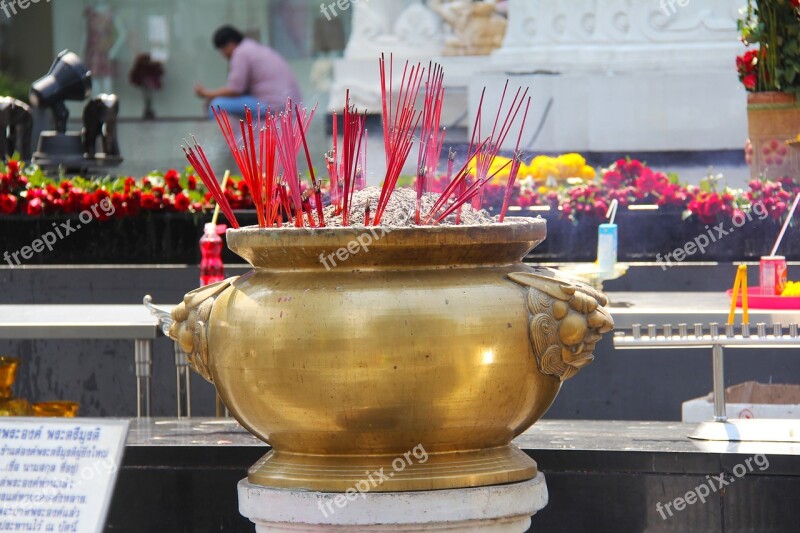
{"type": "Point", "coordinates": [607, 242]}
{"type": "Point", "coordinates": [211, 267]}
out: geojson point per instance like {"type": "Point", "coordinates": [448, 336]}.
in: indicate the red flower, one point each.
{"type": "Point", "coordinates": [173, 181]}
{"type": "Point", "coordinates": [102, 199]}
{"type": "Point", "coordinates": [633, 168]}
{"type": "Point", "coordinates": [600, 208]}
{"type": "Point", "coordinates": [748, 65]}
{"type": "Point", "coordinates": [647, 181]}
{"type": "Point", "coordinates": [8, 204]}
{"type": "Point", "coordinates": [710, 206]}
{"type": "Point", "coordinates": [191, 182]}
{"type": "Point", "coordinates": [120, 206]}
{"type": "Point", "coordinates": [182, 202]}
{"type": "Point", "coordinates": [87, 200]}
{"type": "Point", "coordinates": [34, 207]}
{"type": "Point", "coordinates": [613, 179]}
{"type": "Point", "coordinates": [99, 195]}
{"type": "Point", "coordinates": [149, 202]}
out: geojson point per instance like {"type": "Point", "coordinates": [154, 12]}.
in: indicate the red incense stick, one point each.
{"type": "Point", "coordinates": [199, 162]}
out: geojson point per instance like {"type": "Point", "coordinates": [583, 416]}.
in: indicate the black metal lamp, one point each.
{"type": "Point", "coordinates": [68, 79]}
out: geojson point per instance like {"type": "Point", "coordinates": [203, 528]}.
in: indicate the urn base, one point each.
{"type": "Point", "coordinates": [410, 471]}
{"type": "Point", "coordinates": [497, 509]}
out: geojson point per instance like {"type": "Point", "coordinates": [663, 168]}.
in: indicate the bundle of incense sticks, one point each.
{"type": "Point", "coordinates": [314, 184]}
{"type": "Point", "coordinates": [483, 154]}
{"type": "Point", "coordinates": [399, 125]}
{"type": "Point", "coordinates": [347, 168]}
{"type": "Point", "coordinates": [197, 158]}
{"type": "Point", "coordinates": [267, 159]}
{"type": "Point", "coordinates": [512, 178]}
{"type": "Point", "coordinates": [331, 162]}
{"type": "Point", "coordinates": [432, 134]}
{"type": "Point", "coordinates": [256, 161]}
{"type": "Point", "coordinates": [291, 135]}
{"type": "Point", "coordinates": [267, 152]}
{"type": "Point", "coordinates": [353, 136]}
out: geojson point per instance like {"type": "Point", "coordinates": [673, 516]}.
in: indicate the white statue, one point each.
{"type": "Point", "coordinates": [478, 28]}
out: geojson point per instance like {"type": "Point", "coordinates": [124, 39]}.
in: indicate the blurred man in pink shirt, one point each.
{"type": "Point", "coordinates": [257, 74]}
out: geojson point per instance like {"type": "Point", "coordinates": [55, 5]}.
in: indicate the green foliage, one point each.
{"type": "Point", "coordinates": [14, 88]}
{"type": "Point", "coordinates": [775, 26]}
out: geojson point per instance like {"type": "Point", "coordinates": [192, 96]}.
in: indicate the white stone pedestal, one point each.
{"type": "Point", "coordinates": [623, 76]}
{"type": "Point", "coordinates": [496, 509]}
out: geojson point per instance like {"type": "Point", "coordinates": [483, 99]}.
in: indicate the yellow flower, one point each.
{"type": "Point", "coordinates": [543, 167]}
{"type": "Point", "coordinates": [500, 176]}
{"type": "Point", "coordinates": [588, 173]}
{"type": "Point", "coordinates": [570, 165]}
{"type": "Point", "coordinates": [792, 289]}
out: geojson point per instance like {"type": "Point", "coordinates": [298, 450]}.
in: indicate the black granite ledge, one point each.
{"type": "Point", "coordinates": [601, 476]}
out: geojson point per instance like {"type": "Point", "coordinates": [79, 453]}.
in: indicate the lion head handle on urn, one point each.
{"type": "Point", "coordinates": [567, 319]}
{"type": "Point", "coordinates": [190, 325]}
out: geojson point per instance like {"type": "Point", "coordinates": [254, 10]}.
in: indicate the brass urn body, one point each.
{"type": "Point", "coordinates": [437, 339]}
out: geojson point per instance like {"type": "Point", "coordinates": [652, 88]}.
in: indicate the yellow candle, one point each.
{"type": "Point", "coordinates": [745, 311]}
{"type": "Point", "coordinates": [735, 297]}
{"type": "Point", "coordinates": [216, 209]}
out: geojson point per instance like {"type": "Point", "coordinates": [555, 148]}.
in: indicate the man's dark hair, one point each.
{"type": "Point", "coordinates": [225, 35]}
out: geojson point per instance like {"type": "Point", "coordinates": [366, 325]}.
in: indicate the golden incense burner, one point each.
{"type": "Point", "coordinates": [437, 337]}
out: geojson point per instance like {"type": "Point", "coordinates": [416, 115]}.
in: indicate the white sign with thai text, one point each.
{"type": "Point", "coordinates": [58, 474]}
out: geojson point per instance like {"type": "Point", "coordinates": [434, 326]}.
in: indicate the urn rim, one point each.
{"type": "Point", "coordinates": [359, 247]}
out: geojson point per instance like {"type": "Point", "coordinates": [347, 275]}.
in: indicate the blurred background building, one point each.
{"type": "Point", "coordinates": [613, 77]}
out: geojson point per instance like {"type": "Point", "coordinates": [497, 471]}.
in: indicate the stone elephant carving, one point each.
{"type": "Point", "coordinates": [100, 120]}
{"type": "Point", "coordinates": [16, 127]}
